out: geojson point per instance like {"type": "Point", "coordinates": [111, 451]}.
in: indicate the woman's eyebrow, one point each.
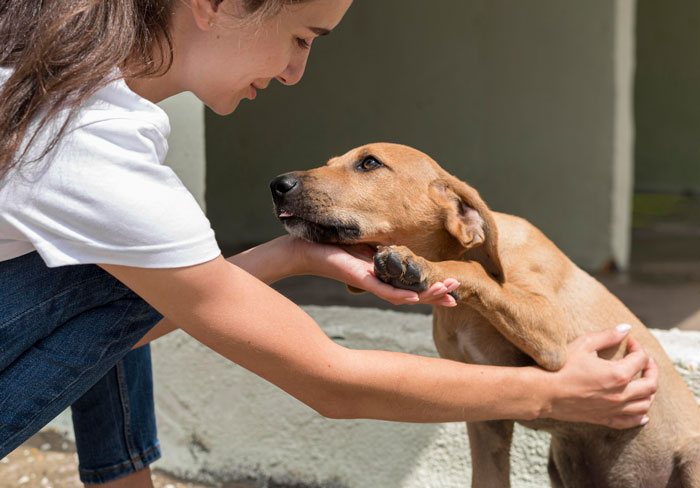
{"type": "Point", "coordinates": [319, 31]}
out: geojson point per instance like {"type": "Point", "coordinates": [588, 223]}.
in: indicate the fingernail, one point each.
{"type": "Point", "coordinates": [453, 286]}
{"type": "Point", "coordinates": [622, 328]}
{"type": "Point", "coordinates": [411, 299]}
{"type": "Point", "coordinates": [440, 291]}
{"type": "Point", "coordinates": [644, 420]}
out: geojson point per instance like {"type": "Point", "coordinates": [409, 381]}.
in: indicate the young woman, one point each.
{"type": "Point", "coordinates": [99, 241]}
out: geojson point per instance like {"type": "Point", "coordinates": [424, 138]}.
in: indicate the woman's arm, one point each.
{"type": "Point", "coordinates": [237, 315]}
{"type": "Point", "coordinates": [286, 256]}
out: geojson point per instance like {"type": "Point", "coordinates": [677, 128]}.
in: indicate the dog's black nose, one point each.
{"type": "Point", "coordinates": [283, 184]}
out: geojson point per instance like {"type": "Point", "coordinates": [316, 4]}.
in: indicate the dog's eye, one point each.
{"type": "Point", "coordinates": [369, 163]}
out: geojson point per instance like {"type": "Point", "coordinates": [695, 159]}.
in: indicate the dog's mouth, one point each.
{"type": "Point", "coordinates": [315, 229]}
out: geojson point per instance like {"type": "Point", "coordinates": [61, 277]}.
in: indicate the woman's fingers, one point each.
{"type": "Point", "coordinates": [635, 362]}
{"type": "Point", "coordinates": [637, 407]}
{"type": "Point", "coordinates": [628, 367]}
{"type": "Point", "coordinates": [396, 296]}
{"type": "Point", "coordinates": [644, 387]}
{"type": "Point", "coordinates": [627, 421]}
{"type": "Point", "coordinates": [354, 265]}
{"type": "Point", "coordinates": [603, 391]}
{"type": "Point", "coordinates": [438, 293]}
{"type": "Point", "coordinates": [596, 341]}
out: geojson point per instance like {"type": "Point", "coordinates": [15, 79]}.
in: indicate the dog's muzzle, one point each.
{"type": "Point", "coordinates": [302, 219]}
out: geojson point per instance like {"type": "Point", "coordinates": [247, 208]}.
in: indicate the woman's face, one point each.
{"type": "Point", "coordinates": [224, 58]}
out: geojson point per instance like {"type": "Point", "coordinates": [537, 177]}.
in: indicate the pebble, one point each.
{"type": "Point", "coordinates": [24, 479]}
{"type": "Point", "coordinates": [45, 447]}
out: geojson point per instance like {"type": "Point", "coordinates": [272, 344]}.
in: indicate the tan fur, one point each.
{"type": "Point", "coordinates": [521, 300]}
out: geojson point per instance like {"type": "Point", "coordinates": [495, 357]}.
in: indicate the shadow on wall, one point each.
{"type": "Point", "coordinates": [514, 97]}
{"type": "Point", "coordinates": [667, 100]}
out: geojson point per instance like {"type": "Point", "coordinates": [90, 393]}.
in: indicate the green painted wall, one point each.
{"type": "Point", "coordinates": [517, 98]}
{"type": "Point", "coordinates": [667, 96]}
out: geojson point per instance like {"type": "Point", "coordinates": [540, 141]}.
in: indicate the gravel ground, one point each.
{"type": "Point", "coordinates": [49, 461]}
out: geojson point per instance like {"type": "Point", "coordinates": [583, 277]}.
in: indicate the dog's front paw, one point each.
{"type": "Point", "coordinates": [399, 267]}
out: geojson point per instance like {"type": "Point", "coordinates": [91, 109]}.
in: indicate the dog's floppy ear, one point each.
{"type": "Point", "coordinates": [469, 220]}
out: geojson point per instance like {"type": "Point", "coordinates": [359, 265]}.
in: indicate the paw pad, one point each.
{"type": "Point", "coordinates": [399, 268]}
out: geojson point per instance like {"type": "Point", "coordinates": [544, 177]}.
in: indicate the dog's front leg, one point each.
{"type": "Point", "coordinates": [489, 443]}
{"type": "Point", "coordinates": [524, 315]}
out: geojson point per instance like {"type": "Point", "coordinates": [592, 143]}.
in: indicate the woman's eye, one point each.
{"type": "Point", "coordinates": [303, 43]}
{"type": "Point", "coordinates": [369, 163]}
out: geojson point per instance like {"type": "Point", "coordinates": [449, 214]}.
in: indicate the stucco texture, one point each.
{"type": "Point", "coordinates": [218, 422]}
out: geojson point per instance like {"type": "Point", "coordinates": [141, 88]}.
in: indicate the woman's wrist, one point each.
{"type": "Point", "coordinates": [298, 256]}
{"type": "Point", "coordinates": [274, 260]}
{"type": "Point", "coordinates": [543, 385]}
{"type": "Point", "coordinates": [537, 393]}
{"type": "Point", "coordinates": [307, 258]}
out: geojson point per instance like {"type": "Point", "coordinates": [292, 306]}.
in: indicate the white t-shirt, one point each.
{"type": "Point", "coordinates": [103, 195]}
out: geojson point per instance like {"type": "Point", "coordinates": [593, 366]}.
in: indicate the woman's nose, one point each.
{"type": "Point", "coordinates": [294, 70]}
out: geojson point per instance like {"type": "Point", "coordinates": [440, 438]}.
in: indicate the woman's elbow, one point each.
{"type": "Point", "coordinates": [335, 406]}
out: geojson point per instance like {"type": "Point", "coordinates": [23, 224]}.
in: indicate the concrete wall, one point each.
{"type": "Point", "coordinates": [186, 142]}
{"type": "Point", "coordinates": [528, 101]}
{"type": "Point", "coordinates": [667, 100]}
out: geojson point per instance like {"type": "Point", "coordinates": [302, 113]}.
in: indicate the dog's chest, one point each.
{"type": "Point", "coordinates": [463, 334]}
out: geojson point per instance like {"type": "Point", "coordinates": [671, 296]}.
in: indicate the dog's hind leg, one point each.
{"type": "Point", "coordinates": [689, 463]}
{"type": "Point", "coordinates": [489, 443]}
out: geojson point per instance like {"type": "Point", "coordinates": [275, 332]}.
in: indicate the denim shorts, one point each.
{"type": "Point", "coordinates": [65, 340]}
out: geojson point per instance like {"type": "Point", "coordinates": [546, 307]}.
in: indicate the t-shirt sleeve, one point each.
{"type": "Point", "coordinates": [106, 198]}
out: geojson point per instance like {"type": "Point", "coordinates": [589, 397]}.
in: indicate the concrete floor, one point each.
{"type": "Point", "coordinates": [48, 460]}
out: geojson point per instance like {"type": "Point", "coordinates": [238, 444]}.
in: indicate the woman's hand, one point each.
{"type": "Point", "coordinates": [591, 389]}
{"type": "Point", "coordinates": [353, 264]}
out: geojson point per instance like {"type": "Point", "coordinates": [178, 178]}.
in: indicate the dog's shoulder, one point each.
{"type": "Point", "coordinates": [516, 230]}
{"type": "Point", "coordinates": [526, 251]}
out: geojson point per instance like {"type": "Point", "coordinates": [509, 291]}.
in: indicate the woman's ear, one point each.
{"type": "Point", "coordinates": [204, 13]}
{"type": "Point", "coordinates": [470, 222]}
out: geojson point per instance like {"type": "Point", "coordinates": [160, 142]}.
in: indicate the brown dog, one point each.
{"type": "Point", "coordinates": [520, 300]}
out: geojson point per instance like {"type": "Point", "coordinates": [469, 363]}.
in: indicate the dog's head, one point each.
{"type": "Point", "coordinates": [383, 194]}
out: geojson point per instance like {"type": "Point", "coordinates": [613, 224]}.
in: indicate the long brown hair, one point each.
{"type": "Point", "coordinates": [63, 51]}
